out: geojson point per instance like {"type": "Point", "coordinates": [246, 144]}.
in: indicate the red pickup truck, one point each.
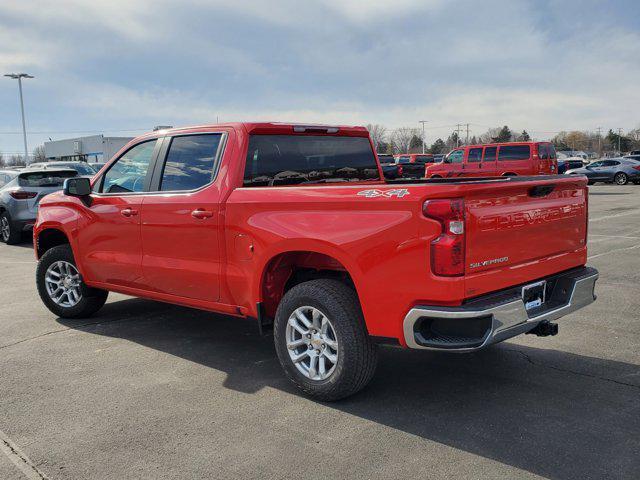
{"type": "Point", "coordinates": [295, 227]}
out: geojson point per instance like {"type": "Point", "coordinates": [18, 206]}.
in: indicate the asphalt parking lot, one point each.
{"type": "Point", "coordinates": [148, 390]}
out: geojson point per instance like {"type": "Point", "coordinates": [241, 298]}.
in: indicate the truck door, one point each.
{"type": "Point", "coordinates": [180, 219]}
{"type": "Point", "coordinates": [489, 168]}
{"type": "Point", "coordinates": [110, 248]}
{"type": "Point", "coordinates": [515, 160]}
{"type": "Point", "coordinates": [473, 162]}
{"type": "Point", "coordinates": [453, 164]}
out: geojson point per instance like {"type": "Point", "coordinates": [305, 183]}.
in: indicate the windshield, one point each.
{"type": "Point", "coordinates": [48, 178]}
{"type": "Point", "coordinates": [295, 159]}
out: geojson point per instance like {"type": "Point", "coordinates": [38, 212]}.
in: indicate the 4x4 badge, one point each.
{"type": "Point", "coordinates": [397, 192]}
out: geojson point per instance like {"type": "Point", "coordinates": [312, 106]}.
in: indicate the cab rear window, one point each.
{"type": "Point", "coordinates": [514, 152]}
{"type": "Point", "coordinates": [274, 160]}
{"type": "Point", "coordinates": [48, 178]}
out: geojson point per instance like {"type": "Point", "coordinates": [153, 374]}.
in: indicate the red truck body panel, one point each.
{"type": "Point", "coordinates": [239, 255]}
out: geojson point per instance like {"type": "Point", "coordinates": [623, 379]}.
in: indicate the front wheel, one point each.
{"type": "Point", "coordinates": [61, 287]}
{"type": "Point", "coordinates": [321, 340]}
{"type": "Point", "coordinates": [621, 178]}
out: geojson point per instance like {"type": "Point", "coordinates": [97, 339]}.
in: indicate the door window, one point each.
{"type": "Point", "coordinates": [490, 154]}
{"type": "Point", "coordinates": [456, 156]}
{"type": "Point", "coordinates": [128, 174]}
{"type": "Point", "coordinates": [191, 162]}
{"type": "Point", "coordinates": [475, 155]}
{"type": "Point", "coordinates": [610, 163]}
{"type": "Point", "coordinates": [514, 152]}
{"type": "Point", "coordinates": [543, 151]}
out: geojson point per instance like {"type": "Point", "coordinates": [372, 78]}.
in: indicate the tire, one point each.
{"type": "Point", "coordinates": [9, 234]}
{"type": "Point", "coordinates": [88, 301]}
{"type": "Point", "coordinates": [621, 178]}
{"type": "Point", "coordinates": [356, 355]}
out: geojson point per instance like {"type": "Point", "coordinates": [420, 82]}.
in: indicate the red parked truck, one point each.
{"type": "Point", "coordinates": [294, 226]}
{"type": "Point", "coordinates": [497, 159]}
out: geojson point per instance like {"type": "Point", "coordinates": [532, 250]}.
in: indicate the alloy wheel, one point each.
{"type": "Point", "coordinates": [63, 284]}
{"type": "Point", "coordinates": [312, 343]}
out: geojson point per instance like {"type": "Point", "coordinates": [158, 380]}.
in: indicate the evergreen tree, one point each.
{"type": "Point", "coordinates": [438, 147]}
{"type": "Point", "coordinates": [503, 136]}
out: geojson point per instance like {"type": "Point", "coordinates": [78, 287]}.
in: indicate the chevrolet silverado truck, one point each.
{"type": "Point", "coordinates": [295, 227]}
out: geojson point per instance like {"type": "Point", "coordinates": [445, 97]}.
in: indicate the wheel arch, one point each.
{"type": "Point", "coordinates": [287, 268]}
{"type": "Point", "coordinates": [50, 237]}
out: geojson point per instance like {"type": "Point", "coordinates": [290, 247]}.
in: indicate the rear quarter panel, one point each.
{"type": "Point", "coordinates": [383, 242]}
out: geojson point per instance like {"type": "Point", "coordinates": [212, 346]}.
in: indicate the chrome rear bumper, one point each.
{"type": "Point", "coordinates": [498, 316]}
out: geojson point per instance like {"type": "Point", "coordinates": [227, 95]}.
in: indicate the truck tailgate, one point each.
{"type": "Point", "coordinates": [522, 224]}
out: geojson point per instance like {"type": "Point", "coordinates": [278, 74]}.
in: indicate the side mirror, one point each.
{"type": "Point", "coordinates": [77, 187]}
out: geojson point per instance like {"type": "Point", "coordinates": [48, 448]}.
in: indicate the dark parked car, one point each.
{"type": "Point", "coordinates": [564, 165]}
{"type": "Point", "coordinates": [612, 170]}
{"type": "Point", "coordinates": [389, 166]}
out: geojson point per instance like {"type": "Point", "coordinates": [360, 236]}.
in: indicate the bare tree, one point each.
{"type": "Point", "coordinates": [378, 134]}
{"type": "Point", "coordinates": [38, 154]}
{"type": "Point", "coordinates": [402, 137]}
{"type": "Point", "coordinates": [17, 161]}
{"type": "Point", "coordinates": [489, 135]}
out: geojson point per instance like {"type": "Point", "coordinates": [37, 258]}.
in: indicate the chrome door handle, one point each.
{"type": "Point", "coordinates": [129, 212]}
{"type": "Point", "coordinates": [201, 214]}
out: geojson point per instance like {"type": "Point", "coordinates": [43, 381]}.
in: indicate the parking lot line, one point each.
{"type": "Point", "coordinates": [19, 459]}
{"type": "Point", "coordinates": [633, 247]}
{"type": "Point", "coordinates": [615, 215]}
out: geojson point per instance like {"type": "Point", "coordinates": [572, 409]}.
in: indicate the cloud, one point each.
{"type": "Point", "coordinates": [109, 64]}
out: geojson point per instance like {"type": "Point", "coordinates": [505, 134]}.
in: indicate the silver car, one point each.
{"type": "Point", "coordinates": [612, 170]}
{"type": "Point", "coordinates": [20, 195]}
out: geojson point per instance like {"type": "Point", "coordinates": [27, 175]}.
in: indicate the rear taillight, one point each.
{"type": "Point", "coordinates": [447, 251]}
{"type": "Point", "coordinates": [400, 170]}
{"type": "Point", "coordinates": [637, 167]}
{"type": "Point", "coordinates": [22, 195]}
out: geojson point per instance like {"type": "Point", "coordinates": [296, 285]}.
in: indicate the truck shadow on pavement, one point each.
{"type": "Point", "coordinates": [552, 413]}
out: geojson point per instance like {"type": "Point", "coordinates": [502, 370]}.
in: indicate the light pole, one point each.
{"type": "Point", "coordinates": [423, 122]}
{"type": "Point", "coordinates": [19, 77]}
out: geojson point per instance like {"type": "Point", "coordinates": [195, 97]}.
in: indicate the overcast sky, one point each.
{"type": "Point", "coordinates": [111, 65]}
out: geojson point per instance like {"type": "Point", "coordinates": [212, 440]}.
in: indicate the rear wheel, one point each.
{"type": "Point", "coordinates": [321, 340]}
{"type": "Point", "coordinates": [61, 287]}
{"type": "Point", "coordinates": [621, 178]}
{"type": "Point", "coordinates": [8, 231]}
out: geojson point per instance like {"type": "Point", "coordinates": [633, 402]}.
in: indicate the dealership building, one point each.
{"type": "Point", "coordinates": [93, 149]}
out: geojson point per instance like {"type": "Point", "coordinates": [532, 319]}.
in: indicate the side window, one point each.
{"type": "Point", "coordinates": [129, 172]}
{"type": "Point", "coordinates": [191, 162]}
{"type": "Point", "coordinates": [543, 151]}
{"type": "Point", "coordinates": [552, 151]}
{"type": "Point", "coordinates": [514, 152]}
{"type": "Point", "coordinates": [611, 163]}
{"type": "Point", "coordinates": [475, 155]}
{"type": "Point", "coordinates": [423, 159]}
{"type": "Point", "coordinates": [456, 156]}
{"type": "Point", "coordinates": [3, 180]}
{"type": "Point", "coordinates": [490, 154]}
{"type": "Point", "coordinates": [596, 164]}
{"type": "Point", "coordinates": [404, 160]}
